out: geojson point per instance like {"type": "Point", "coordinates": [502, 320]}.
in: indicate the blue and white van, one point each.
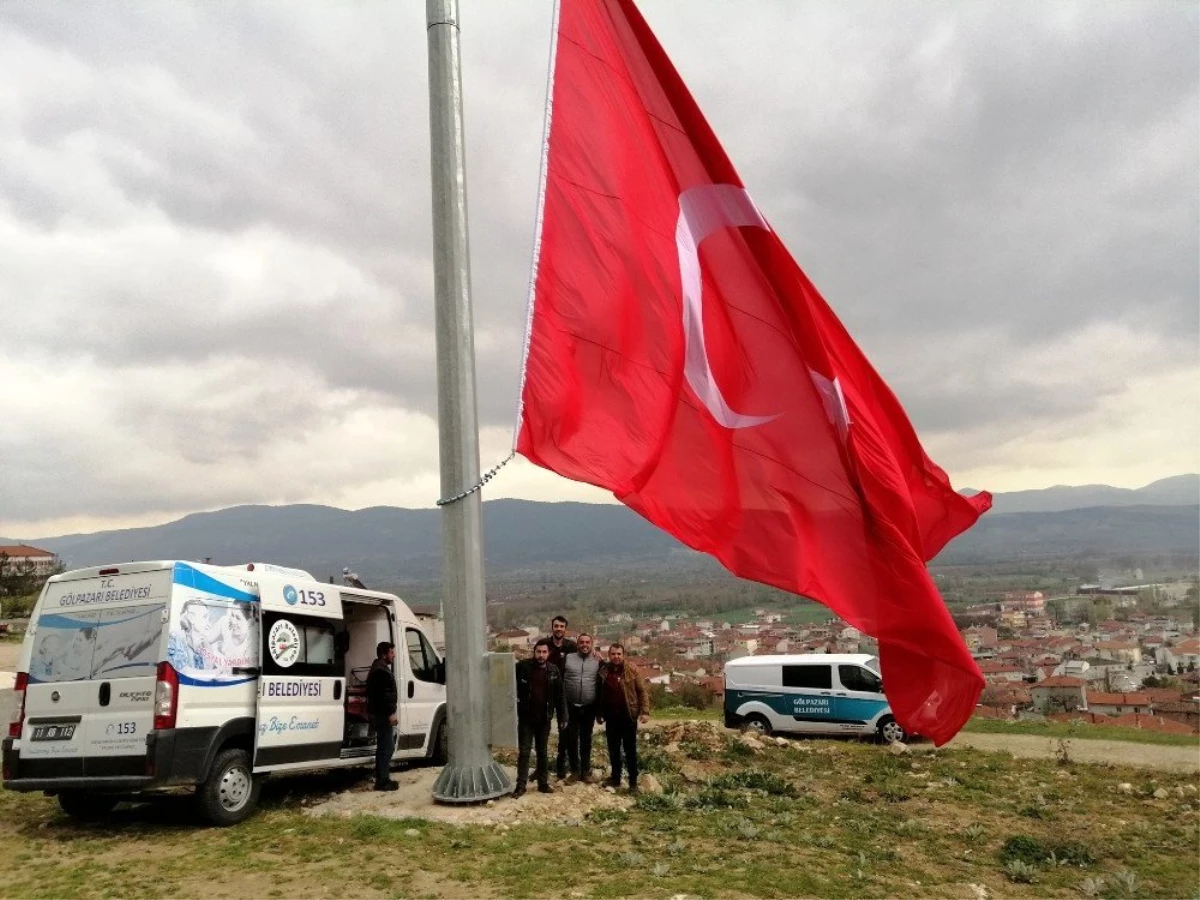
{"type": "Point", "coordinates": [812, 693]}
{"type": "Point", "coordinates": [143, 676]}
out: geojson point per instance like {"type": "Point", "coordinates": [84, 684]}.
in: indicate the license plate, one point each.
{"type": "Point", "coordinates": [53, 732]}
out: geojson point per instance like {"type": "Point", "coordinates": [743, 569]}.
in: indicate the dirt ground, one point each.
{"type": "Point", "coordinates": [567, 805]}
{"type": "Point", "coordinates": [10, 653]}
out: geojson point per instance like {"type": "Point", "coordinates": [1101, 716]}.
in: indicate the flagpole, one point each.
{"type": "Point", "coordinates": [470, 774]}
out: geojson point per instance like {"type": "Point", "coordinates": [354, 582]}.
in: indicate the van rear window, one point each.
{"type": "Point", "coordinates": [111, 643]}
{"type": "Point", "coordinates": [817, 676]}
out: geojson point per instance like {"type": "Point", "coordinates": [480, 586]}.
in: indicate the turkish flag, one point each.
{"type": "Point", "coordinates": [677, 356]}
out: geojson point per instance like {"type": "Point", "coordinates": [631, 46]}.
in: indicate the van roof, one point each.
{"type": "Point", "coordinates": [799, 659]}
{"type": "Point", "coordinates": [133, 568]}
{"type": "Point", "coordinates": [128, 568]}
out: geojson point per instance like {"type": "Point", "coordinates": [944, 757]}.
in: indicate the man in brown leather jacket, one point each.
{"type": "Point", "coordinates": [623, 702]}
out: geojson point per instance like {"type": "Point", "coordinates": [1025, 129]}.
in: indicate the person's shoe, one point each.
{"type": "Point", "coordinates": [571, 778]}
{"type": "Point", "coordinates": [545, 789]}
{"type": "Point", "coordinates": [387, 786]}
{"type": "Point", "coordinates": [588, 779]}
{"type": "Point", "coordinates": [613, 783]}
{"type": "Point", "coordinates": [633, 789]}
{"type": "Point", "coordinates": [518, 791]}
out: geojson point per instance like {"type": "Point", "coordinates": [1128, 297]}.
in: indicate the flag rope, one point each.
{"type": "Point", "coordinates": [538, 221]}
{"type": "Point", "coordinates": [484, 479]}
{"type": "Point", "coordinates": [537, 252]}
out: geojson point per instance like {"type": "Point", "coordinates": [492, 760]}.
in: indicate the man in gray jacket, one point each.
{"type": "Point", "coordinates": [581, 671]}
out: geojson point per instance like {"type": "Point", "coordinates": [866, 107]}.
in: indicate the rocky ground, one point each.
{"type": "Point", "coordinates": [694, 748]}
{"type": "Point", "coordinates": [569, 803]}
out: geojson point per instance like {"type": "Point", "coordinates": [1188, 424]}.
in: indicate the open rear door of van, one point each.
{"type": "Point", "coordinates": [301, 712]}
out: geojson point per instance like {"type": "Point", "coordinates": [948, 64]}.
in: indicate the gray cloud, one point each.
{"type": "Point", "coordinates": [243, 192]}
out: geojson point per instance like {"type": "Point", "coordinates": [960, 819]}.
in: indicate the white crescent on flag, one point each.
{"type": "Point", "coordinates": [702, 211]}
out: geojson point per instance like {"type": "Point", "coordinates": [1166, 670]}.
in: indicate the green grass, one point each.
{"type": "Point", "coordinates": [816, 819]}
{"type": "Point", "coordinates": [1082, 731]}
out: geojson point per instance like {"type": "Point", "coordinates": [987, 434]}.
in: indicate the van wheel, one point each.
{"type": "Point", "coordinates": [756, 724]}
{"type": "Point", "coordinates": [230, 793]}
{"type": "Point", "coordinates": [441, 746]}
{"type": "Point", "coordinates": [84, 807]}
{"type": "Point", "coordinates": [891, 731]}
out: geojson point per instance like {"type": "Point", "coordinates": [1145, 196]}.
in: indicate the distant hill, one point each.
{"type": "Point", "coordinates": [386, 545]}
{"type": "Point", "coordinates": [1178, 490]}
{"type": "Point", "coordinates": [381, 542]}
{"type": "Point", "coordinates": [1095, 531]}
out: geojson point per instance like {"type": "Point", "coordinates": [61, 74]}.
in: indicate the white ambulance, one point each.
{"type": "Point", "coordinates": [152, 675]}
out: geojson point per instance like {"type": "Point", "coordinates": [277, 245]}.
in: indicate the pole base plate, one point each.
{"type": "Point", "coordinates": [471, 784]}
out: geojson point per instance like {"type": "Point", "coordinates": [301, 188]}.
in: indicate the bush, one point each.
{"type": "Point", "coordinates": [693, 696]}
{"type": "Point", "coordinates": [658, 802]}
{"type": "Point", "coordinates": [1024, 849]}
{"type": "Point", "coordinates": [654, 759]}
{"type": "Point", "coordinates": [1020, 872]}
{"type": "Point", "coordinates": [18, 607]}
{"type": "Point", "coordinates": [755, 780]}
{"type": "Point", "coordinates": [1034, 852]}
{"type": "Point", "coordinates": [659, 698]}
{"type": "Point", "coordinates": [717, 798]}
{"type": "Point", "coordinates": [736, 751]}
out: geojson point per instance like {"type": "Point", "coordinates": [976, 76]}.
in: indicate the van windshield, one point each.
{"type": "Point", "coordinates": [81, 645]}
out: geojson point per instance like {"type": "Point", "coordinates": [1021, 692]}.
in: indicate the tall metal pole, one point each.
{"type": "Point", "coordinates": [470, 775]}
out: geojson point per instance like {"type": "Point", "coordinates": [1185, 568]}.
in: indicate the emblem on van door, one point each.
{"type": "Point", "coordinates": [289, 595]}
{"type": "Point", "coordinates": [55, 695]}
{"type": "Point", "coordinates": [284, 643]}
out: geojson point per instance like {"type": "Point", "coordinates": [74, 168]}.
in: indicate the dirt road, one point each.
{"type": "Point", "coordinates": [1126, 753]}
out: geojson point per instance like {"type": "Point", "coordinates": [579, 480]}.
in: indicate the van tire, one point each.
{"type": "Point", "coordinates": [757, 724]}
{"type": "Point", "coordinates": [85, 807]}
{"type": "Point", "coordinates": [891, 731]}
{"type": "Point", "coordinates": [230, 793]}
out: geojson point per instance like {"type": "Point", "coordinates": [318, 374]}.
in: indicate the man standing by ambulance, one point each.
{"type": "Point", "coordinates": [381, 710]}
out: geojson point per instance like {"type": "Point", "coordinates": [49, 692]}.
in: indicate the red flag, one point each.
{"type": "Point", "coordinates": [677, 356]}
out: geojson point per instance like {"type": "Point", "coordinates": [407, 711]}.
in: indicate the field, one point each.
{"type": "Point", "coordinates": [814, 818]}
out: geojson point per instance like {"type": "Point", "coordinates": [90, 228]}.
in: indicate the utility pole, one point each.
{"type": "Point", "coordinates": [470, 775]}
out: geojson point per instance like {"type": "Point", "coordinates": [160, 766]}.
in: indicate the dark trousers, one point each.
{"type": "Point", "coordinates": [385, 746]}
{"type": "Point", "coordinates": [577, 740]}
{"type": "Point", "coordinates": [535, 734]}
{"type": "Point", "coordinates": [622, 735]}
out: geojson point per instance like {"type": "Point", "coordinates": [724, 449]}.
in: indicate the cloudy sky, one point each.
{"type": "Point", "coordinates": [215, 275]}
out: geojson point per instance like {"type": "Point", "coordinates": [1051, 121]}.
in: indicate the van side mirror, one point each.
{"type": "Point", "coordinates": [440, 672]}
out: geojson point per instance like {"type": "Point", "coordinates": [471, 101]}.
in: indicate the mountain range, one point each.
{"type": "Point", "coordinates": [388, 544]}
{"type": "Point", "coordinates": [1178, 490]}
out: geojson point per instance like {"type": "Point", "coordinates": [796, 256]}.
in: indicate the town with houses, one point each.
{"type": "Point", "coordinates": [1136, 670]}
{"type": "Point", "coordinates": [1040, 658]}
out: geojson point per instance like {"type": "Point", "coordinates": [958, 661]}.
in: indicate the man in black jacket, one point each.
{"type": "Point", "coordinates": [540, 698]}
{"type": "Point", "coordinates": [561, 647]}
{"type": "Point", "coordinates": [381, 709]}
